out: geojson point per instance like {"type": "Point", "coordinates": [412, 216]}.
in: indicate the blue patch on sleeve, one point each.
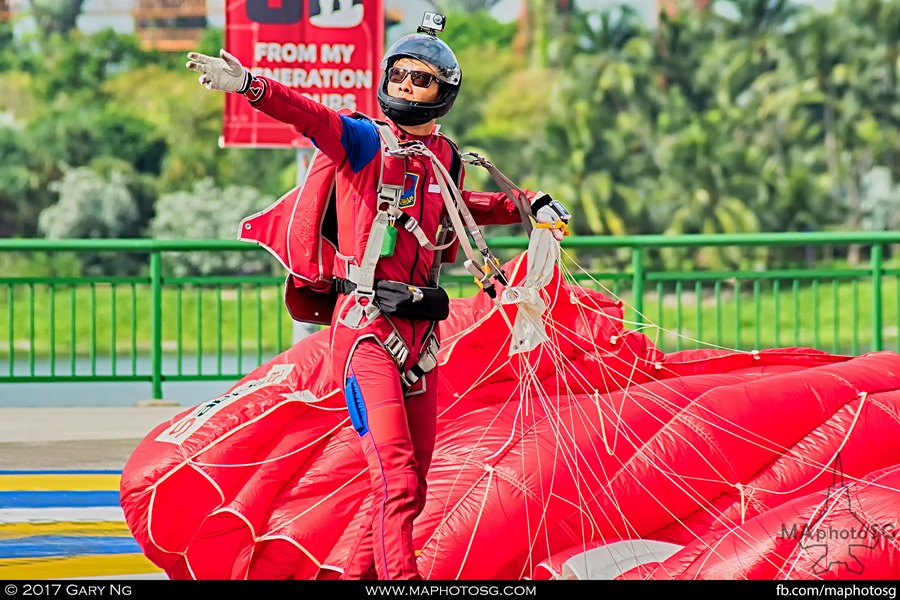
{"type": "Point", "coordinates": [360, 141]}
{"type": "Point", "coordinates": [356, 406]}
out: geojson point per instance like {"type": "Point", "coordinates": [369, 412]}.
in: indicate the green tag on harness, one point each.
{"type": "Point", "coordinates": [389, 242]}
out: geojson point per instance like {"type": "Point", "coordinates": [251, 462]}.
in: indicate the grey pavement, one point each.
{"type": "Point", "coordinates": [76, 438]}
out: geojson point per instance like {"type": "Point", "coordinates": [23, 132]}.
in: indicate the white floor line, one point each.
{"type": "Point", "coordinates": [49, 515]}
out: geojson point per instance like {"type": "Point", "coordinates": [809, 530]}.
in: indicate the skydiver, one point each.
{"type": "Point", "coordinates": [387, 363]}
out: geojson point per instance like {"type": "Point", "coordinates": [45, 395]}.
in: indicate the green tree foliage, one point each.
{"type": "Point", "coordinates": [77, 65]}
{"type": "Point", "coordinates": [56, 16]}
{"type": "Point", "coordinates": [16, 182]}
{"type": "Point", "coordinates": [95, 207]}
{"type": "Point", "coordinates": [208, 212]}
{"type": "Point", "coordinates": [761, 115]}
{"type": "Point", "coordinates": [475, 28]}
{"type": "Point", "coordinates": [90, 206]}
{"type": "Point", "coordinates": [76, 136]}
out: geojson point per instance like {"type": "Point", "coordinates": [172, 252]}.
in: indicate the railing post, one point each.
{"type": "Point", "coordinates": [877, 302]}
{"type": "Point", "coordinates": [637, 282]}
{"type": "Point", "coordinates": [156, 322]}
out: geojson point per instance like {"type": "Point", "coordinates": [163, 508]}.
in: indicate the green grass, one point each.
{"type": "Point", "coordinates": [251, 319]}
{"type": "Point", "coordinates": [105, 318]}
{"type": "Point", "coordinates": [835, 316]}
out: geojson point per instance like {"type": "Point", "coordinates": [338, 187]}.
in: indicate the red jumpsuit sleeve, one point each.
{"type": "Point", "coordinates": [323, 125]}
{"type": "Point", "coordinates": [493, 208]}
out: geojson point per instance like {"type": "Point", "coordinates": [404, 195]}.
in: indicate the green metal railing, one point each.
{"type": "Point", "coordinates": [158, 328]}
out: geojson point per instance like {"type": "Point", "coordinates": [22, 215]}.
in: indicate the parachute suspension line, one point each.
{"type": "Point", "coordinates": [602, 420]}
{"type": "Point", "coordinates": [529, 528]}
{"type": "Point", "coordinates": [627, 388]}
{"type": "Point", "coordinates": [451, 511]}
{"type": "Point", "coordinates": [525, 389]}
{"type": "Point", "coordinates": [501, 451]}
{"type": "Point", "coordinates": [740, 489]}
{"type": "Point", "coordinates": [458, 212]}
{"type": "Point", "coordinates": [816, 518]}
{"type": "Point", "coordinates": [193, 459]}
{"type": "Point", "coordinates": [485, 374]}
{"type": "Point", "coordinates": [645, 324]}
{"type": "Point", "coordinates": [822, 467]}
{"type": "Point", "coordinates": [484, 498]}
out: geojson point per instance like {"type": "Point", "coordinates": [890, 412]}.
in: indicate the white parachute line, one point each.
{"type": "Point", "coordinates": [636, 326]}
{"type": "Point", "coordinates": [485, 375]}
{"type": "Point", "coordinates": [817, 516]}
{"type": "Point", "coordinates": [569, 453]}
{"type": "Point", "coordinates": [474, 532]}
{"type": "Point", "coordinates": [449, 512]}
{"type": "Point", "coordinates": [678, 480]}
{"type": "Point", "coordinates": [518, 417]}
{"type": "Point", "coordinates": [560, 428]}
{"type": "Point", "coordinates": [362, 473]}
{"type": "Point", "coordinates": [863, 397]}
{"type": "Point", "coordinates": [630, 376]}
{"type": "Point", "coordinates": [532, 537]}
{"type": "Point", "coordinates": [309, 444]}
{"type": "Point", "coordinates": [632, 530]}
{"type": "Point", "coordinates": [579, 469]}
{"type": "Point", "coordinates": [784, 451]}
{"type": "Point", "coordinates": [470, 461]}
{"type": "Point", "coordinates": [527, 382]}
{"type": "Point", "coordinates": [562, 436]}
{"type": "Point", "coordinates": [627, 390]}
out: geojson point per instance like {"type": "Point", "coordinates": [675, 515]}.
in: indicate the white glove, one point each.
{"type": "Point", "coordinates": [226, 74]}
{"type": "Point", "coordinates": [547, 210]}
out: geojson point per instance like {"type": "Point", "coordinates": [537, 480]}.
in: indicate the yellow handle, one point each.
{"type": "Point", "coordinates": [554, 225]}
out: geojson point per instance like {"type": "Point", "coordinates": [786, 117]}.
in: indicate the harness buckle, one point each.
{"type": "Point", "coordinates": [397, 348]}
{"type": "Point", "coordinates": [427, 361]}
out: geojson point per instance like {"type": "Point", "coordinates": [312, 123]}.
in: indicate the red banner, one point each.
{"type": "Point", "coordinates": [328, 49]}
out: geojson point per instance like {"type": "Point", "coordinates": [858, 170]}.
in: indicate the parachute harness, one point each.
{"type": "Point", "coordinates": [480, 261]}
{"type": "Point", "coordinates": [485, 268]}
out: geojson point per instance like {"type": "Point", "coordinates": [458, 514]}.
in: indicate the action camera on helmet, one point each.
{"type": "Point", "coordinates": [432, 22]}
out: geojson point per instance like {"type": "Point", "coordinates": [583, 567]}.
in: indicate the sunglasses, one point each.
{"type": "Point", "coordinates": [420, 79]}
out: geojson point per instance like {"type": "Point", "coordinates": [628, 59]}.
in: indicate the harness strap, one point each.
{"type": "Point", "coordinates": [458, 211]}
{"type": "Point", "coordinates": [516, 195]}
{"type": "Point", "coordinates": [412, 225]}
{"type": "Point", "coordinates": [388, 197]}
{"type": "Point", "coordinates": [399, 351]}
{"type": "Point", "coordinates": [482, 269]}
{"type": "Point", "coordinates": [427, 362]}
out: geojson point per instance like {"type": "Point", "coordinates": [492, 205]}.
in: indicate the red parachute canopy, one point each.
{"type": "Point", "coordinates": [594, 456]}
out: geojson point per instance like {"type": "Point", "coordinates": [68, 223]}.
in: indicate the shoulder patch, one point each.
{"type": "Point", "coordinates": [411, 185]}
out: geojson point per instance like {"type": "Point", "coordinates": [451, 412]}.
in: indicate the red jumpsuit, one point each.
{"type": "Point", "coordinates": [396, 426]}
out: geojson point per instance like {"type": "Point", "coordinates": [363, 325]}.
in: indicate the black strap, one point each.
{"type": "Point", "coordinates": [344, 286]}
{"type": "Point", "coordinates": [416, 370]}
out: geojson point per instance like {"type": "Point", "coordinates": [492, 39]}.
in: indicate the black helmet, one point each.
{"type": "Point", "coordinates": [429, 49]}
